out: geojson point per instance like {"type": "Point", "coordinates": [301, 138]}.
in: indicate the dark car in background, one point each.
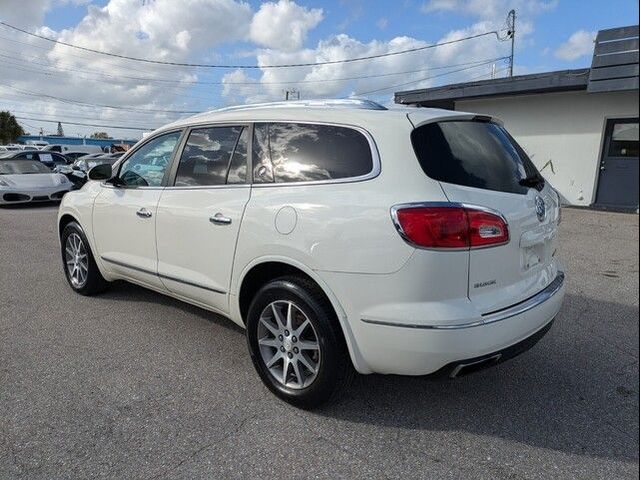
{"type": "Point", "coordinates": [77, 171]}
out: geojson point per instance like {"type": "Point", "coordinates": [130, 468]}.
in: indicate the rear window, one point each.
{"type": "Point", "coordinates": [474, 154]}
{"type": "Point", "coordinates": [297, 152]}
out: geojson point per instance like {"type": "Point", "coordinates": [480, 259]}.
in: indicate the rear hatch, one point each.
{"type": "Point", "coordinates": [477, 162]}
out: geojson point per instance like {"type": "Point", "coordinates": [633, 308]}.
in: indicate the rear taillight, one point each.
{"type": "Point", "coordinates": [450, 226]}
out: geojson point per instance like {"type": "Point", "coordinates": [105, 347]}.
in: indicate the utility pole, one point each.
{"type": "Point", "coordinates": [291, 93]}
{"type": "Point", "coordinates": [511, 21]}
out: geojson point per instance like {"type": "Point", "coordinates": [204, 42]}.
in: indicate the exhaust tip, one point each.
{"type": "Point", "coordinates": [470, 367]}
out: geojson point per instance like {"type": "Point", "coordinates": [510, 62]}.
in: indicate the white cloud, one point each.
{"type": "Point", "coordinates": [283, 25]}
{"type": "Point", "coordinates": [195, 30]}
{"type": "Point", "coordinates": [163, 29]}
{"type": "Point", "coordinates": [326, 80]}
{"type": "Point", "coordinates": [24, 13]}
{"type": "Point", "coordinates": [579, 44]}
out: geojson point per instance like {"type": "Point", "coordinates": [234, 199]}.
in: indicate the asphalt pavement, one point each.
{"type": "Point", "coordinates": [132, 384]}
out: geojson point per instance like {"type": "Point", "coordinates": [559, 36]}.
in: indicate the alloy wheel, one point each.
{"type": "Point", "coordinates": [76, 259]}
{"type": "Point", "coordinates": [288, 344]}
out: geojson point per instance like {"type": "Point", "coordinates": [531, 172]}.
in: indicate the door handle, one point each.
{"type": "Point", "coordinates": [144, 213]}
{"type": "Point", "coordinates": [220, 219]}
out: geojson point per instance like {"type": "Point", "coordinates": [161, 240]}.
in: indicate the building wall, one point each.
{"type": "Point", "coordinates": [565, 128]}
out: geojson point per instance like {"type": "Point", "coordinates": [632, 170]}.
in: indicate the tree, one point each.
{"type": "Point", "coordinates": [10, 129]}
{"type": "Point", "coordinates": [101, 135]}
{"type": "Point", "coordinates": [60, 131]}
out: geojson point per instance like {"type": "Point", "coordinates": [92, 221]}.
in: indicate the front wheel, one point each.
{"type": "Point", "coordinates": [296, 343]}
{"type": "Point", "coordinates": [77, 260]}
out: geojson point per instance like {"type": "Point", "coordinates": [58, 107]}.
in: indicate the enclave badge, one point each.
{"type": "Point", "coordinates": [541, 208]}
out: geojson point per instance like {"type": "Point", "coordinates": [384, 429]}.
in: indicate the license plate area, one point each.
{"type": "Point", "coordinates": [536, 248]}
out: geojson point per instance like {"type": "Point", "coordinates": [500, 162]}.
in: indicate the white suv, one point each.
{"type": "Point", "coordinates": [341, 234]}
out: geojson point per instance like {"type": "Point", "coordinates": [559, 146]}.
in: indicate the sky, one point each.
{"type": "Point", "coordinates": [42, 82]}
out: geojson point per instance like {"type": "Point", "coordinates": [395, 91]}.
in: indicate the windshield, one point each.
{"type": "Point", "coordinates": [12, 167]}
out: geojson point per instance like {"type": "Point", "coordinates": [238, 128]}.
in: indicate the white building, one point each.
{"type": "Point", "coordinates": [580, 127]}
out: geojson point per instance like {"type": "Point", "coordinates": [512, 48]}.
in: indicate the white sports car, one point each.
{"type": "Point", "coordinates": [23, 181]}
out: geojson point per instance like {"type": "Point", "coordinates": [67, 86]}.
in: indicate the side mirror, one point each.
{"type": "Point", "coordinates": [100, 172]}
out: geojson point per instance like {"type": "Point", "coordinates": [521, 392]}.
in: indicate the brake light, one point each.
{"type": "Point", "coordinates": [450, 226]}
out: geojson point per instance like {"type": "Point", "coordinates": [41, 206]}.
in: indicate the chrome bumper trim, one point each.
{"type": "Point", "coordinates": [491, 317]}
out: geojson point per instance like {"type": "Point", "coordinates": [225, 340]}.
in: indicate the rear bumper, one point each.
{"type": "Point", "coordinates": [422, 348]}
{"type": "Point", "coordinates": [469, 365]}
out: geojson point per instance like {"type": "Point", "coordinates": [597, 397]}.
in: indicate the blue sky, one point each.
{"type": "Point", "coordinates": [551, 35]}
{"type": "Point", "coordinates": [360, 19]}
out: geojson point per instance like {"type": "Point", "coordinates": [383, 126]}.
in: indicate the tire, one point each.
{"type": "Point", "coordinates": [83, 276]}
{"type": "Point", "coordinates": [303, 387]}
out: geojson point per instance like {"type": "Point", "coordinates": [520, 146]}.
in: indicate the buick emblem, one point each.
{"type": "Point", "coordinates": [541, 209]}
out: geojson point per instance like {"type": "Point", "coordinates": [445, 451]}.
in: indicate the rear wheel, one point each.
{"type": "Point", "coordinates": [296, 344]}
{"type": "Point", "coordinates": [77, 260]}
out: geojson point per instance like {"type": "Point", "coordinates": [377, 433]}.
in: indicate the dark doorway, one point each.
{"type": "Point", "coordinates": [618, 180]}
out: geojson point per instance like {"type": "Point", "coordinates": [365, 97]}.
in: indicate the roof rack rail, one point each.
{"type": "Point", "coordinates": [339, 103]}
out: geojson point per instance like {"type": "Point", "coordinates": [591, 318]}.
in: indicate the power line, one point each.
{"type": "Point", "coordinates": [259, 83]}
{"type": "Point", "coordinates": [259, 67]}
{"type": "Point", "coordinates": [86, 104]}
{"type": "Point", "coordinates": [423, 79]}
{"type": "Point", "coordinates": [57, 116]}
{"type": "Point", "coordinates": [86, 124]}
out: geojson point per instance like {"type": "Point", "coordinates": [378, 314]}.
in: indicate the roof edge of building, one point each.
{"type": "Point", "coordinates": [557, 81]}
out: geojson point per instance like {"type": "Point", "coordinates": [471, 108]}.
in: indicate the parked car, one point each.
{"type": "Point", "coordinates": [9, 148]}
{"type": "Point", "coordinates": [23, 181]}
{"type": "Point", "coordinates": [73, 155]}
{"type": "Point", "coordinates": [77, 172]}
{"type": "Point", "coordinates": [339, 234]}
{"type": "Point", "coordinates": [39, 144]}
{"type": "Point", "coordinates": [50, 159]}
{"type": "Point", "coordinates": [68, 148]}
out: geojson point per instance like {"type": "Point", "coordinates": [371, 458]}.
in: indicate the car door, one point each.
{"type": "Point", "coordinates": [124, 212]}
{"type": "Point", "coordinates": [618, 179]}
{"type": "Point", "coordinates": [200, 211]}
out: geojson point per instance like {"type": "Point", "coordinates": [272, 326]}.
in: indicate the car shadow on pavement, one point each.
{"type": "Point", "coordinates": [574, 392]}
{"type": "Point", "coordinates": [121, 290]}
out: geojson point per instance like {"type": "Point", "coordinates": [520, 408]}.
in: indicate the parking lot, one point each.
{"type": "Point", "coordinates": [132, 384]}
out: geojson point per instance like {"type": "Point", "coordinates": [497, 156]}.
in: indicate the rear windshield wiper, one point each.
{"type": "Point", "coordinates": [533, 181]}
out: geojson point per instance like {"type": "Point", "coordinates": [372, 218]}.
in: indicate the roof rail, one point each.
{"type": "Point", "coordinates": [338, 103]}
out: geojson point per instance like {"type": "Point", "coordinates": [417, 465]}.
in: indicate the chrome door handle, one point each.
{"type": "Point", "coordinates": [220, 219]}
{"type": "Point", "coordinates": [144, 213]}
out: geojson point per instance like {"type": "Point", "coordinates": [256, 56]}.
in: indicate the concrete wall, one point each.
{"type": "Point", "coordinates": [565, 128]}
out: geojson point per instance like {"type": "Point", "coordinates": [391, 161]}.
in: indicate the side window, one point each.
{"type": "Point", "coordinates": [624, 139]}
{"type": "Point", "coordinates": [58, 159]}
{"type": "Point", "coordinates": [305, 152]}
{"type": "Point", "coordinates": [238, 167]}
{"type": "Point", "coordinates": [147, 165]}
{"type": "Point", "coordinates": [262, 169]}
{"type": "Point", "coordinates": [207, 156]}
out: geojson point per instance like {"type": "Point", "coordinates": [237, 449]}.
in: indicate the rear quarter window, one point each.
{"type": "Point", "coordinates": [474, 154]}
{"type": "Point", "coordinates": [297, 152]}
